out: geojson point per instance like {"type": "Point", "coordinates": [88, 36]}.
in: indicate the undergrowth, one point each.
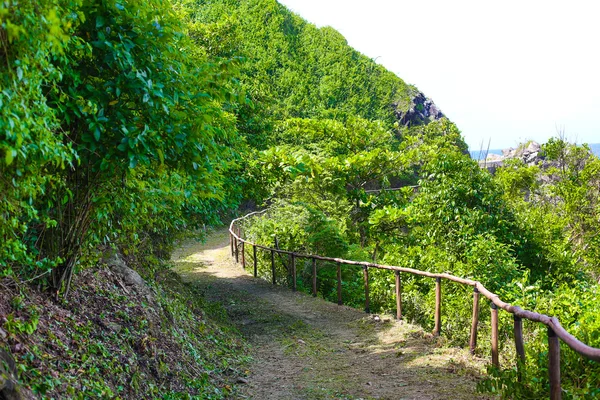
{"type": "Point", "coordinates": [109, 341]}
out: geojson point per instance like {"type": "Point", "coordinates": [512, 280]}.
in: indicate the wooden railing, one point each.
{"type": "Point", "coordinates": [555, 330]}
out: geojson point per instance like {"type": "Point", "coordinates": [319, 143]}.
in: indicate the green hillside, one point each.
{"type": "Point", "coordinates": [130, 125]}
{"type": "Point", "coordinates": [292, 69]}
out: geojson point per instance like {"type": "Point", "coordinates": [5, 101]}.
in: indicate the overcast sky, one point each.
{"type": "Point", "coordinates": [508, 71]}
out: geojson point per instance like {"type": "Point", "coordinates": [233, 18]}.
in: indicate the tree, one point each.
{"type": "Point", "coordinates": [130, 103]}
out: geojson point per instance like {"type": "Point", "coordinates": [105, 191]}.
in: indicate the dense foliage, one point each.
{"type": "Point", "coordinates": [132, 123]}
{"type": "Point", "coordinates": [522, 232]}
{"type": "Point", "coordinates": [114, 131]}
{"type": "Point", "coordinates": [295, 70]}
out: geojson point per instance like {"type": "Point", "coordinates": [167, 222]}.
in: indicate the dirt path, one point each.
{"type": "Point", "coordinates": [307, 348]}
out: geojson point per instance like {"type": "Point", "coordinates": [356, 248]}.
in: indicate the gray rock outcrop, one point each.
{"type": "Point", "coordinates": [530, 153]}
{"type": "Point", "coordinates": [130, 279]}
{"type": "Point", "coordinates": [128, 276]}
{"type": "Point", "coordinates": [421, 110]}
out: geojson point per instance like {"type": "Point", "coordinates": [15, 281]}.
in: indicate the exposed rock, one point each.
{"type": "Point", "coordinates": [9, 387]}
{"type": "Point", "coordinates": [533, 147]}
{"type": "Point", "coordinates": [530, 153]}
{"type": "Point", "coordinates": [421, 110]}
{"type": "Point", "coordinates": [128, 276]}
{"type": "Point", "coordinates": [531, 158]}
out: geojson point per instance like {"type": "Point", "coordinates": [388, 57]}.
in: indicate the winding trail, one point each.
{"type": "Point", "coordinates": [308, 348]}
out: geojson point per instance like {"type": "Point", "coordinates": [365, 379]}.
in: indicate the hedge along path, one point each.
{"type": "Point", "coordinates": [308, 348]}
{"type": "Point", "coordinates": [555, 330]}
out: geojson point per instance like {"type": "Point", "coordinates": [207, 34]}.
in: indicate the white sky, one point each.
{"type": "Point", "coordinates": [507, 70]}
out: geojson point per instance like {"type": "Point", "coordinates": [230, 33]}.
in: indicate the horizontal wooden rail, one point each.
{"type": "Point", "coordinates": [391, 189]}
{"type": "Point", "coordinates": [554, 327]}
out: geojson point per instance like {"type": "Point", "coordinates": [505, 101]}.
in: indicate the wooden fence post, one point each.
{"type": "Point", "coordinates": [293, 261]}
{"type": "Point", "coordinates": [273, 266]}
{"type": "Point", "coordinates": [237, 260]}
{"type": "Point", "coordinates": [398, 296]}
{"type": "Point", "coordinates": [495, 358]}
{"type": "Point", "coordinates": [438, 307]}
{"type": "Point", "coordinates": [243, 255]}
{"type": "Point", "coordinates": [255, 260]}
{"type": "Point", "coordinates": [238, 243]}
{"type": "Point", "coordinates": [554, 364]}
{"type": "Point", "coordinates": [366, 276]}
{"type": "Point", "coordinates": [475, 321]}
{"type": "Point", "coordinates": [314, 277]}
{"type": "Point", "coordinates": [339, 283]}
{"type": "Point", "coordinates": [519, 345]}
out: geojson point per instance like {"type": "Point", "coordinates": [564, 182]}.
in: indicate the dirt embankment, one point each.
{"type": "Point", "coordinates": [115, 337]}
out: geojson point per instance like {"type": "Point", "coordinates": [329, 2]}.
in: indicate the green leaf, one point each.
{"type": "Point", "coordinates": [99, 21]}
{"type": "Point", "coordinates": [9, 156]}
{"type": "Point", "coordinates": [132, 161]}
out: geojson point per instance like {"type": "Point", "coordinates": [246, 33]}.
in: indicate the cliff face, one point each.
{"type": "Point", "coordinates": [421, 110]}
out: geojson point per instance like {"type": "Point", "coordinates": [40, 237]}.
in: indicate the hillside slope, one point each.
{"type": "Point", "coordinates": [117, 337]}
{"type": "Point", "coordinates": [292, 69]}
